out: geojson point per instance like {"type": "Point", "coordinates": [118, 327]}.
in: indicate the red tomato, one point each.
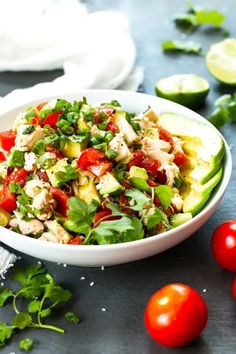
{"type": "Point", "coordinates": [61, 199]}
{"type": "Point", "coordinates": [43, 175]}
{"type": "Point", "coordinates": [101, 169]}
{"type": "Point", "coordinates": [50, 148]}
{"type": "Point", "coordinates": [175, 315]}
{"type": "Point", "coordinates": [181, 159]}
{"type": "Point", "coordinates": [112, 127]}
{"type": "Point", "coordinates": [150, 165]}
{"type": "Point", "coordinates": [41, 105]}
{"type": "Point", "coordinates": [223, 245]}
{"type": "Point", "coordinates": [138, 156]}
{"type": "Point", "coordinates": [52, 119]}
{"type": "Point", "coordinates": [2, 157]}
{"type": "Point", "coordinates": [152, 183]}
{"type": "Point", "coordinates": [123, 200]}
{"type": "Point", "coordinates": [165, 135]}
{"type": "Point", "coordinates": [100, 215]}
{"type": "Point", "coordinates": [17, 176]}
{"type": "Point", "coordinates": [89, 157]}
{"type": "Point", "coordinates": [7, 199]}
{"type": "Point", "coordinates": [234, 289]}
{"type": "Point", "coordinates": [37, 120]}
{"type": "Point", "coordinates": [77, 240]}
{"type": "Point", "coordinates": [7, 139]}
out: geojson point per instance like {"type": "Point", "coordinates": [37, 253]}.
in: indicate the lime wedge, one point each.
{"type": "Point", "coordinates": [221, 61]}
{"type": "Point", "coordinates": [187, 89]}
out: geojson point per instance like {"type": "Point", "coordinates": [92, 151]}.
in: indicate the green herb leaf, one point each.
{"type": "Point", "coordinates": [113, 103]}
{"type": "Point", "coordinates": [155, 218]}
{"type": "Point", "coordinates": [72, 317]}
{"type": "Point", "coordinates": [34, 306]}
{"type": "Point", "coordinates": [15, 187]}
{"type": "Point", "coordinates": [5, 294]}
{"type": "Point", "coordinates": [25, 275]}
{"type": "Point", "coordinates": [22, 320]}
{"type": "Point", "coordinates": [5, 333]}
{"type": "Point", "coordinates": [111, 154]}
{"type": "Point", "coordinates": [45, 313]}
{"type": "Point", "coordinates": [109, 231]}
{"type": "Point", "coordinates": [26, 344]}
{"type": "Point", "coordinates": [120, 172]}
{"type": "Point", "coordinates": [211, 17]}
{"type": "Point", "coordinates": [139, 183]}
{"type": "Point", "coordinates": [69, 175]}
{"type": "Point", "coordinates": [138, 197]}
{"type": "Point", "coordinates": [80, 215]}
{"type": "Point", "coordinates": [186, 47]}
{"type": "Point", "coordinates": [164, 194]}
{"type": "Point", "coordinates": [29, 129]}
{"type": "Point", "coordinates": [40, 146]}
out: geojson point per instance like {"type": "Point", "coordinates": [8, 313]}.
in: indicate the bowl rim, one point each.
{"type": "Point", "coordinates": [227, 171]}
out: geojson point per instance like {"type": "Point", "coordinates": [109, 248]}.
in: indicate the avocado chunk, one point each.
{"type": "Point", "coordinates": [51, 172]}
{"type": "Point", "coordinates": [82, 125]}
{"type": "Point", "coordinates": [16, 159]}
{"type": "Point", "coordinates": [201, 141]}
{"type": "Point", "coordinates": [196, 196]}
{"type": "Point", "coordinates": [108, 184]}
{"type": "Point", "coordinates": [179, 219]}
{"type": "Point", "coordinates": [4, 217]}
{"type": "Point", "coordinates": [138, 172]}
{"type": "Point", "coordinates": [73, 147]}
{"type": "Point", "coordinates": [88, 192]}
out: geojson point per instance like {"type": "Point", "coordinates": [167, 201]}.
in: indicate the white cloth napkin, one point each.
{"type": "Point", "coordinates": [95, 50]}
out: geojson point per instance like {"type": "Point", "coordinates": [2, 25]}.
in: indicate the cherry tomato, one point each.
{"type": "Point", "coordinates": [7, 199]}
{"type": "Point", "coordinates": [41, 105]}
{"type": "Point", "coordinates": [52, 119]}
{"type": "Point", "coordinates": [61, 199]}
{"type": "Point", "coordinates": [165, 135]}
{"type": "Point", "coordinates": [223, 245]}
{"type": "Point", "coordinates": [175, 315]}
{"type": "Point", "coordinates": [7, 139]}
{"type": "Point", "coordinates": [150, 165]}
{"type": "Point", "coordinates": [37, 120]}
{"type": "Point", "coordinates": [112, 127]}
{"type": "Point", "coordinates": [234, 289]}
{"type": "Point", "coordinates": [2, 157]}
{"type": "Point", "coordinates": [138, 156]}
{"type": "Point", "coordinates": [181, 159]}
{"type": "Point", "coordinates": [77, 240]}
{"type": "Point", "coordinates": [17, 176]}
{"type": "Point", "coordinates": [101, 169]}
{"type": "Point", "coordinates": [89, 157]}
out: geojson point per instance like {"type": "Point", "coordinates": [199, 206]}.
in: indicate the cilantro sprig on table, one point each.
{"type": "Point", "coordinates": [225, 110]}
{"type": "Point", "coordinates": [41, 295]}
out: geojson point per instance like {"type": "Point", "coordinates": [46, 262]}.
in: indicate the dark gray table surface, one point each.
{"type": "Point", "coordinates": [124, 290]}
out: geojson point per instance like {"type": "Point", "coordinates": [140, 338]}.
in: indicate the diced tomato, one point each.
{"type": "Point", "coordinates": [43, 175]}
{"type": "Point", "coordinates": [17, 176]}
{"type": "Point", "coordinates": [41, 105]}
{"type": "Point", "coordinates": [101, 169]}
{"type": "Point", "coordinates": [37, 120]}
{"type": "Point", "coordinates": [165, 135]}
{"type": "Point", "coordinates": [7, 199]}
{"type": "Point", "coordinates": [150, 165]}
{"type": "Point", "coordinates": [123, 200]}
{"type": "Point", "coordinates": [112, 127]}
{"type": "Point", "coordinates": [107, 110]}
{"type": "Point", "coordinates": [181, 159]}
{"type": "Point", "coordinates": [52, 119]}
{"type": "Point", "coordinates": [2, 156]}
{"type": "Point", "coordinates": [152, 183]}
{"type": "Point", "coordinates": [96, 117]}
{"type": "Point", "coordinates": [161, 177]}
{"type": "Point", "coordinates": [138, 157]}
{"type": "Point", "coordinates": [89, 157]}
{"type": "Point", "coordinates": [50, 148]}
{"type": "Point", "coordinates": [61, 199]}
{"type": "Point", "coordinates": [100, 215]}
{"type": "Point", "coordinates": [77, 240]}
{"type": "Point", "coordinates": [7, 139]}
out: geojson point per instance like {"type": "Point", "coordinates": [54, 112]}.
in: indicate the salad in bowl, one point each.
{"type": "Point", "coordinates": [81, 174]}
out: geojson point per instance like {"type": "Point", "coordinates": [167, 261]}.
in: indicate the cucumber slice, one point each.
{"type": "Point", "coordinates": [221, 61]}
{"type": "Point", "coordinates": [187, 89]}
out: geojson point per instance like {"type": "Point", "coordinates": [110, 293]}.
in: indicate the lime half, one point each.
{"type": "Point", "coordinates": [221, 61]}
{"type": "Point", "coordinates": [187, 89]}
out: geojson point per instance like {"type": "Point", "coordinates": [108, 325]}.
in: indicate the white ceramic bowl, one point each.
{"type": "Point", "coordinates": [97, 255]}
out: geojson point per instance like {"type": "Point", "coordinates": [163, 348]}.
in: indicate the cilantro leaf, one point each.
{"type": "Point", "coordinates": [224, 112]}
{"type": "Point", "coordinates": [137, 233]}
{"type": "Point", "coordinates": [64, 177]}
{"type": "Point", "coordinates": [80, 215]}
{"type": "Point", "coordinates": [164, 194]}
{"type": "Point", "coordinates": [5, 333]}
{"type": "Point", "coordinates": [138, 197]}
{"type": "Point", "coordinates": [115, 210]}
{"type": "Point", "coordinates": [72, 317]}
{"type": "Point", "coordinates": [181, 46]}
{"type": "Point", "coordinates": [22, 320]}
{"type": "Point", "coordinates": [5, 294]}
{"type": "Point", "coordinates": [154, 219]}
{"type": "Point", "coordinates": [45, 313]}
{"type": "Point", "coordinates": [34, 306]}
{"type": "Point", "coordinates": [26, 344]}
{"type": "Point", "coordinates": [25, 275]}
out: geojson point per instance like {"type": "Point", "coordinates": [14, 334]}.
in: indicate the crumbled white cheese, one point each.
{"type": "Point", "coordinates": [30, 159]}
{"type": "Point", "coordinates": [92, 283]}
